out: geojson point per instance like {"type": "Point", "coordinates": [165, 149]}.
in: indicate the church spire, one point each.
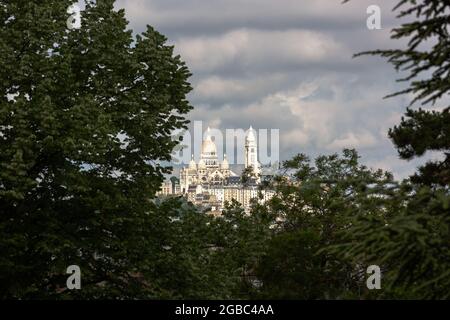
{"type": "Point", "coordinates": [251, 151]}
{"type": "Point", "coordinates": [192, 164]}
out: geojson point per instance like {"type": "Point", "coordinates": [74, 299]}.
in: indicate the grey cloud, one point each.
{"type": "Point", "coordinates": [249, 50]}
{"type": "Point", "coordinates": [286, 64]}
{"type": "Point", "coordinates": [181, 17]}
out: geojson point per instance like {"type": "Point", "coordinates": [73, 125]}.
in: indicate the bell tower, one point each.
{"type": "Point", "coordinates": [251, 151]}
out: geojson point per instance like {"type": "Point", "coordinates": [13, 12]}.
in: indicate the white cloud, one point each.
{"type": "Point", "coordinates": [255, 49]}
{"type": "Point", "coordinates": [215, 87]}
{"type": "Point", "coordinates": [353, 140]}
{"type": "Point", "coordinates": [222, 89]}
{"type": "Point", "coordinates": [295, 137]}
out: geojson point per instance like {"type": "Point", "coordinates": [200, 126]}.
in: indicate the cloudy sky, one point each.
{"type": "Point", "coordinates": [287, 64]}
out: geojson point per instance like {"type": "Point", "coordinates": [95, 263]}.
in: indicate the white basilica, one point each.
{"type": "Point", "coordinates": [210, 172]}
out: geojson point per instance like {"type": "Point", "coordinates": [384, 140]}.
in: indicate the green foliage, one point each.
{"type": "Point", "coordinates": [425, 60]}
{"type": "Point", "coordinates": [334, 219]}
{"type": "Point", "coordinates": [313, 206]}
{"type": "Point", "coordinates": [239, 239]}
{"type": "Point", "coordinates": [248, 175]}
{"type": "Point", "coordinates": [412, 245]}
{"type": "Point", "coordinates": [424, 131]}
{"type": "Point", "coordinates": [85, 118]}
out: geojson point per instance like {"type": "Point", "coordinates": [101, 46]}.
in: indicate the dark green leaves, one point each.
{"type": "Point", "coordinates": [85, 116]}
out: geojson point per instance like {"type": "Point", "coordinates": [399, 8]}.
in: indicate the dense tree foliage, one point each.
{"type": "Point", "coordinates": [314, 205]}
{"type": "Point", "coordinates": [412, 244]}
{"type": "Point", "coordinates": [334, 219]}
{"type": "Point", "coordinates": [85, 116]}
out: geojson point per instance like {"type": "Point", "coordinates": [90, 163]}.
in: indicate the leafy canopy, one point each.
{"type": "Point", "coordinates": [86, 117]}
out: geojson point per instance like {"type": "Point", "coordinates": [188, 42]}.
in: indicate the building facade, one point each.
{"type": "Point", "coordinates": [212, 183]}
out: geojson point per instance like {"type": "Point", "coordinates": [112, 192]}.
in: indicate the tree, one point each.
{"type": "Point", "coordinates": [248, 176]}
{"type": "Point", "coordinates": [174, 181]}
{"type": "Point", "coordinates": [413, 243]}
{"type": "Point", "coordinates": [198, 256]}
{"type": "Point", "coordinates": [425, 59]}
{"type": "Point", "coordinates": [86, 116]}
{"type": "Point", "coordinates": [240, 240]}
{"type": "Point", "coordinates": [313, 206]}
